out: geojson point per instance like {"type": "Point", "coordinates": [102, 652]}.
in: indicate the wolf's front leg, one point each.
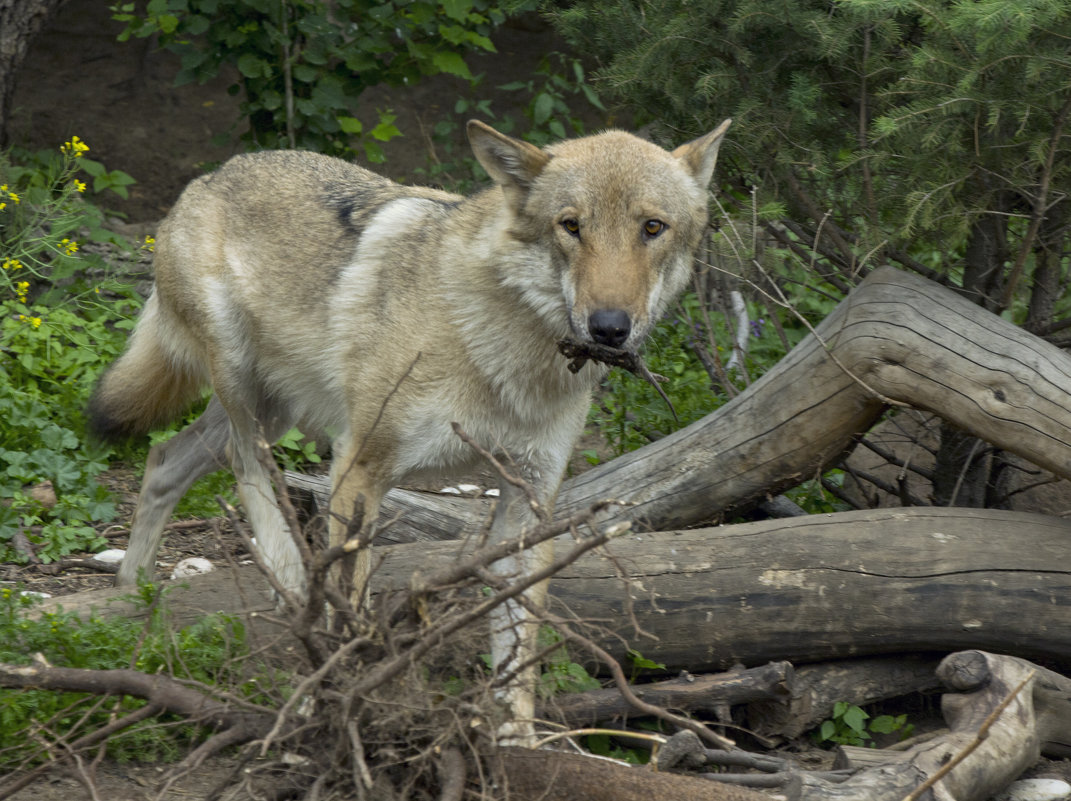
{"type": "Point", "coordinates": [514, 629]}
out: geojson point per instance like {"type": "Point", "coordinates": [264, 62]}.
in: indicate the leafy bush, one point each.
{"type": "Point", "coordinates": [303, 64]}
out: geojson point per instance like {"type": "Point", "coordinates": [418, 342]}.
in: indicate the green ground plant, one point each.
{"type": "Point", "coordinates": [849, 726]}
{"type": "Point", "coordinates": [57, 332]}
{"type": "Point", "coordinates": [209, 651]}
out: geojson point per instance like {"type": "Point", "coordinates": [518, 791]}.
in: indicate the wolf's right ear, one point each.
{"type": "Point", "coordinates": [511, 163]}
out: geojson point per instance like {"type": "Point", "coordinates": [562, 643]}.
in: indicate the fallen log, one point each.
{"type": "Point", "coordinates": [710, 694]}
{"type": "Point", "coordinates": [827, 587]}
{"type": "Point", "coordinates": [1000, 710]}
{"type": "Point", "coordinates": [817, 688]}
{"type": "Point", "coordinates": [557, 776]}
{"type": "Point", "coordinates": [896, 338]}
{"type": "Point", "coordinates": [998, 718]}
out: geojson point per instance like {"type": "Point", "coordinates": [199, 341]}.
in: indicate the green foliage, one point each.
{"type": "Point", "coordinates": [849, 726]}
{"type": "Point", "coordinates": [558, 82]}
{"type": "Point", "coordinates": [604, 745]}
{"type": "Point", "coordinates": [204, 651]}
{"type": "Point", "coordinates": [905, 123]}
{"type": "Point", "coordinates": [560, 673]}
{"type": "Point", "coordinates": [293, 450]}
{"type": "Point", "coordinates": [631, 413]}
{"type": "Point", "coordinates": [303, 64]}
{"type": "Point", "coordinates": [57, 334]}
{"type": "Point", "coordinates": [641, 663]}
{"type": "Point", "coordinates": [549, 102]}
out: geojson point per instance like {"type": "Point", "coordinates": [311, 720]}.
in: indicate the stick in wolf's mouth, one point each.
{"type": "Point", "coordinates": [580, 352]}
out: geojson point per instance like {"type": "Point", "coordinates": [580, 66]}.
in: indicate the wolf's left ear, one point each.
{"type": "Point", "coordinates": [511, 163]}
{"type": "Point", "coordinates": [700, 155]}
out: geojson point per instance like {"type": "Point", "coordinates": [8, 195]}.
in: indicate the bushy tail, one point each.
{"type": "Point", "coordinates": [149, 386]}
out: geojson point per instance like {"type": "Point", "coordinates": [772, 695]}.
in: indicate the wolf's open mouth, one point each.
{"type": "Point", "coordinates": [580, 352]}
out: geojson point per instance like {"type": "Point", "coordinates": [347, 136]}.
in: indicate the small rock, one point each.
{"type": "Point", "coordinates": [491, 493]}
{"type": "Point", "coordinates": [191, 566]}
{"type": "Point", "coordinates": [1035, 790]}
{"type": "Point", "coordinates": [450, 491]}
{"type": "Point", "coordinates": [469, 489]}
{"type": "Point", "coordinates": [44, 493]}
{"type": "Point", "coordinates": [36, 594]}
{"type": "Point", "coordinates": [111, 556]}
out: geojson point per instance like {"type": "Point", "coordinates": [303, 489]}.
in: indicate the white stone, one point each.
{"type": "Point", "coordinates": [36, 594]}
{"type": "Point", "coordinates": [450, 491]}
{"type": "Point", "coordinates": [191, 566]}
{"type": "Point", "coordinates": [468, 489]}
{"type": "Point", "coordinates": [1035, 790]}
{"type": "Point", "coordinates": [491, 493]}
{"type": "Point", "coordinates": [111, 556]}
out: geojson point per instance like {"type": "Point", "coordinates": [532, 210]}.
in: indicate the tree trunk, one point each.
{"type": "Point", "coordinates": [896, 337]}
{"type": "Point", "coordinates": [20, 21]}
{"type": "Point", "coordinates": [801, 589]}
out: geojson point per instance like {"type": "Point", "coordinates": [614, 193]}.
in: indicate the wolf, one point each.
{"type": "Point", "coordinates": [305, 290]}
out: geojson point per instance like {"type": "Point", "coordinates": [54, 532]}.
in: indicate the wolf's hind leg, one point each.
{"type": "Point", "coordinates": [172, 468]}
{"type": "Point", "coordinates": [274, 540]}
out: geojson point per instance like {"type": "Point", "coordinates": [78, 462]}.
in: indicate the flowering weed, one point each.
{"type": "Point", "coordinates": [56, 335]}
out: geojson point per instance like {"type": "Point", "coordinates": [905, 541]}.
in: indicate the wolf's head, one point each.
{"type": "Point", "coordinates": [619, 216]}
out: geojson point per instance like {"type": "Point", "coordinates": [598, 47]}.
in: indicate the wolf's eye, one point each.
{"type": "Point", "coordinates": [572, 226]}
{"type": "Point", "coordinates": [653, 228]}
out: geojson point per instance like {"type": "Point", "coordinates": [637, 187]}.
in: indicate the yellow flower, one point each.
{"type": "Point", "coordinates": [11, 195]}
{"type": "Point", "coordinates": [69, 245]}
{"type": "Point", "coordinates": [79, 186]}
{"type": "Point", "coordinates": [75, 148]}
{"type": "Point", "coordinates": [149, 244]}
{"type": "Point", "coordinates": [3, 206]}
{"type": "Point", "coordinates": [35, 322]}
{"type": "Point", "coordinates": [21, 289]}
{"type": "Point", "coordinates": [11, 264]}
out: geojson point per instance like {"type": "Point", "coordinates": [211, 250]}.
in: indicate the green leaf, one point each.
{"type": "Point", "coordinates": [305, 73]}
{"type": "Point", "coordinates": [855, 718]}
{"type": "Point", "coordinates": [386, 129]}
{"type": "Point", "coordinates": [542, 108]}
{"type": "Point", "coordinates": [350, 125]}
{"type": "Point", "coordinates": [640, 661]}
{"type": "Point", "coordinates": [457, 9]}
{"type": "Point", "coordinates": [253, 67]}
{"type": "Point", "coordinates": [886, 724]}
{"type": "Point", "coordinates": [451, 63]}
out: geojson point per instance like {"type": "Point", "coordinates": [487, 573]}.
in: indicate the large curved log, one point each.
{"type": "Point", "coordinates": [897, 337]}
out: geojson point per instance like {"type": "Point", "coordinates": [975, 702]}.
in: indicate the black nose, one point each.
{"type": "Point", "coordinates": [609, 327]}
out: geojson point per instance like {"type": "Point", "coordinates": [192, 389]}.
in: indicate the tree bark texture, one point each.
{"type": "Point", "coordinates": [801, 589]}
{"type": "Point", "coordinates": [20, 21]}
{"type": "Point", "coordinates": [896, 337]}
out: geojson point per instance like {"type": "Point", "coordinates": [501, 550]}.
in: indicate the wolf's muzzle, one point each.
{"type": "Point", "coordinates": [609, 327]}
